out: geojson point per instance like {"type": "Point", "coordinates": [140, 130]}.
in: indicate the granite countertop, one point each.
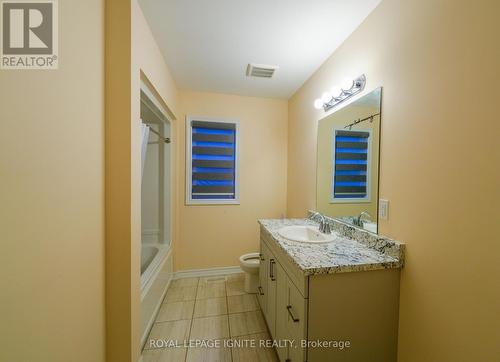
{"type": "Point", "coordinates": [345, 254]}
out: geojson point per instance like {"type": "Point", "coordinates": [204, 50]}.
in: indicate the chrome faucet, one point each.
{"type": "Point", "coordinates": [324, 225]}
{"type": "Point", "coordinates": [359, 220]}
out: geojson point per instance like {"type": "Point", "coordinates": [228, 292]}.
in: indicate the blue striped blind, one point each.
{"type": "Point", "coordinates": [350, 164]}
{"type": "Point", "coordinates": [213, 152]}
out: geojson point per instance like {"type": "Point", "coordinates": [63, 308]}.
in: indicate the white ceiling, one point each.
{"type": "Point", "coordinates": [207, 44]}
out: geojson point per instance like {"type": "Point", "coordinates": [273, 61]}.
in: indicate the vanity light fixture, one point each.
{"type": "Point", "coordinates": [337, 94]}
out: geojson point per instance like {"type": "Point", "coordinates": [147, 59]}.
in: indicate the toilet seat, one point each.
{"type": "Point", "coordinates": [251, 260]}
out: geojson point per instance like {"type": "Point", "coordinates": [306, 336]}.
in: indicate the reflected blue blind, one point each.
{"type": "Point", "coordinates": [213, 160]}
{"type": "Point", "coordinates": [350, 164]}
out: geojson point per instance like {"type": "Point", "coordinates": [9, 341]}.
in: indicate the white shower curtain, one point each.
{"type": "Point", "coordinates": [144, 148]}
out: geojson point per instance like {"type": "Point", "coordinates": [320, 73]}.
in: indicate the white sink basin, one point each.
{"type": "Point", "coordinates": [370, 226]}
{"type": "Point", "coordinates": [305, 234]}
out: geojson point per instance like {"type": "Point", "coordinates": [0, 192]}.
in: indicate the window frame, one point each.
{"type": "Point", "coordinates": [189, 163]}
{"type": "Point", "coordinates": [367, 198]}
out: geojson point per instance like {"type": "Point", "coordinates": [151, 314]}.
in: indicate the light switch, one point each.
{"type": "Point", "coordinates": [383, 209]}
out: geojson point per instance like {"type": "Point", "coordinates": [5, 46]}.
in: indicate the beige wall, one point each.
{"type": "Point", "coordinates": [121, 319]}
{"type": "Point", "coordinates": [148, 65]}
{"type": "Point", "coordinates": [216, 235]}
{"type": "Point", "coordinates": [132, 55]}
{"type": "Point", "coordinates": [52, 199]}
{"type": "Point", "coordinates": [439, 164]}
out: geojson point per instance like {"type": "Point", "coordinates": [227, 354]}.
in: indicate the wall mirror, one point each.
{"type": "Point", "coordinates": [348, 162]}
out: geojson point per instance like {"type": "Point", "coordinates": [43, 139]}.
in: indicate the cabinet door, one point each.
{"type": "Point", "coordinates": [271, 296]}
{"type": "Point", "coordinates": [296, 322]}
{"type": "Point", "coordinates": [262, 289]}
{"type": "Point", "coordinates": [281, 311]}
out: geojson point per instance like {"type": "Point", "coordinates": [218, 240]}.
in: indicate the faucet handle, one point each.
{"type": "Point", "coordinates": [326, 228]}
{"type": "Point", "coordinates": [312, 215]}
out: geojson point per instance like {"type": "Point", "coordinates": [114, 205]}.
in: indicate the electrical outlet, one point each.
{"type": "Point", "coordinates": [383, 209]}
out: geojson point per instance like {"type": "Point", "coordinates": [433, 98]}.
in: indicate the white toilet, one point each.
{"type": "Point", "coordinates": [249, 263]}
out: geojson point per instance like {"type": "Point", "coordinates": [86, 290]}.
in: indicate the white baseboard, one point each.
{"type": "Point", "coordinates": [193, 273]}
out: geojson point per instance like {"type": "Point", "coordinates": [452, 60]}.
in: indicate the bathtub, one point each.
{"type": "Point", "coordinates": [152, 257]}
{"type": "Point", "coordinates": [156, 273]}
{"type": "Point", "coordinates": [148, 252]}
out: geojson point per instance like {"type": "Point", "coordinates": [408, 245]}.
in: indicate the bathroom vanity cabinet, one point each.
{"type": "Point", "coordinates": [354, 315]}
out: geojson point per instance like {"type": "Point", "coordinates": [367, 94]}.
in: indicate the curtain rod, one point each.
{"type": "Point", "coordinates": [166, 140]}
{"type": "Point", "coordinates": [362, 120]}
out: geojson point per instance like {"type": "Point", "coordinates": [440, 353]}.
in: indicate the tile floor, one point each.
{"type": "Point", "coordinates": [213, 309]}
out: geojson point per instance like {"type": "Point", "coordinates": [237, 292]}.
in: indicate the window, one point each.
{"type": "Point", "coordinates": [351, 166]}
{"type": "Point", "coordinates": [211, 161]}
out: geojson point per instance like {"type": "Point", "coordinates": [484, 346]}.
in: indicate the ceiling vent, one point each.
{"type": "Point", "coordinates": [261, 70]}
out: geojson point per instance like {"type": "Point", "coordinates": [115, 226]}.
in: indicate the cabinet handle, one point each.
{"type": "Point", "coordinates": [261, 257]}
{"type": "Point", "coordinates": [271, 269]}
{"type": "Point", "coordinates": [289, 309]}
{"type": "Point", "coordinates": [260, 290]}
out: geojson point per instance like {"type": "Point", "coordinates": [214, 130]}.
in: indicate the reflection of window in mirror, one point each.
{"type": "Point", "coordinates": [348, 161]}
{"type": "Point", "coordinates": [351, 166]}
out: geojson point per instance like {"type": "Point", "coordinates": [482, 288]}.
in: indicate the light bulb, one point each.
{"type": "Point", "coordinates": [346, 84]}
{"type": "Point", "coordinates": [326, 97]}
{"type": "Point", "coordinates": [318, 104]}
{"type": "Point", "coordinates": [336, 91]}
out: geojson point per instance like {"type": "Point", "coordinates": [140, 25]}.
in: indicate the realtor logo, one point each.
{"type": "Point", "coordinates": [29, 35]}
